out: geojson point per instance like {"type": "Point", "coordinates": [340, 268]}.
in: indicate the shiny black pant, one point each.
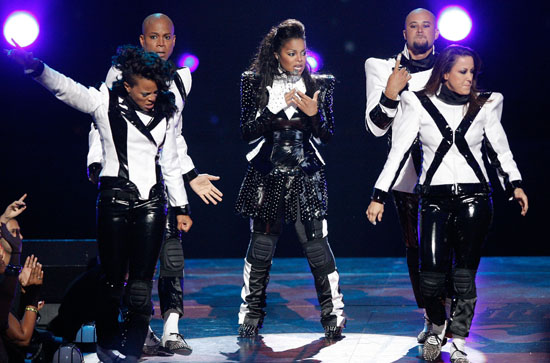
{"type": "Point", "coordinates": [263, 240]}
{"type": "Point", "coordinates": [454, 224]}
{"type": "Point", "coordinates": [407, 210]}
{"type": "Point", "coordinates": [171, 280]}
{"type": "Point", "coordinates": [130, 233]}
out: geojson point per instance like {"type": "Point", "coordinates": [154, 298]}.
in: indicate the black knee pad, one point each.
{"type": "Point", "coordinates": [171, 258]}
{"type": "Point", "coordinates": [309, 230]}
{"type": "Point", "coordinates": [319, 256]}
{"type": "Point", "coordinates": [261, 248]}
{"type": "Point", "coordinates": [138, 296]}
{"type": "Point", "coordinates": [464, 283]}
{"type": "Point", "coordinates": [432, 284]}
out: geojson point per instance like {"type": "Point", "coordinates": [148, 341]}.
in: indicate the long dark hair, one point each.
{"type": "Point", "coordinates": [135, 62]}
{"type": "Point", "coordinates": [443, 64]}
{"type": "Point", "coordinates": [264, 64]}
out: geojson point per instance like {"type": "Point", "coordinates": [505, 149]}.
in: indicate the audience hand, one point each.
{"type": "Point", "coordinates": [25, 274]}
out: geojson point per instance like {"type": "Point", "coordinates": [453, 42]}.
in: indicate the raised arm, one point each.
{"type": "Point", "coordinates": [74, 94]}
{"type": "Point", "coordinates": [383, 87]}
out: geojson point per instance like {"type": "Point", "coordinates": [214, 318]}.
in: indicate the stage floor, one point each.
{"type": "Point", "coordinates": [512, 321]}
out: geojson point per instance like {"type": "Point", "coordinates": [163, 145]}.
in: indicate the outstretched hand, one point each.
{"type": "Point", "coordinates": [521, 197]}
{"type": "Point", "coordinates": [21, 56]}
{"type": "Point", "coordinates": [203, 187]}
{"type": "Point", "coordinates": [375, 212]}
{"type": "Point", "coordinates": [397, 81]}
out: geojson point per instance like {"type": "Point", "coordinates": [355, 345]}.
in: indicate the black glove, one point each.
{"type": "Point", "coordinates": [93, 172]}
{"type": "Point", "coordinates": [33, 66]}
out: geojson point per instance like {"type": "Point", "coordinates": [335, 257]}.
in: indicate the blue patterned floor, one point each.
{"type": "Point", "coordinates": [512, 322]}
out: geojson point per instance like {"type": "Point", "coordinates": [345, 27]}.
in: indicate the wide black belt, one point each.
{"type": "Point", "coordinates": [288, 136]}
{"type": "Point", "coordinates": [453, 189]}
{"type": "Point", "coordinates": [124, 189]}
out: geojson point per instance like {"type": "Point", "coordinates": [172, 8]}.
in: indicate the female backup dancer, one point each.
{"type": "Point", "coordinates": [134, 119]}
{"type": "Point", "coordinates": [453, 120]}
{"type": "Point", "coordinates": [284, 106]}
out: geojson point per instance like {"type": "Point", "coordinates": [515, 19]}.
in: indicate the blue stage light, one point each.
{"type": "Point", "coordinates": [189, 60]}
{"type": "Point", "coordinates": [314, 60]}
{"type": "Point", "coordinates": [22, 27]}
{"type": "Point", "coordinates": [454, 23]}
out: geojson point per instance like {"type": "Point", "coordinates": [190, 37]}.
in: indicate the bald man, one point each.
{"type": "Point", "coordinates": [410, 70]}
{"type": "Point", "coordinates": [158, 36]}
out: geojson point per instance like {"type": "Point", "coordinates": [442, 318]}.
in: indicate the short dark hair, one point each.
{"type": "Point", "coordinates": [135, 62]}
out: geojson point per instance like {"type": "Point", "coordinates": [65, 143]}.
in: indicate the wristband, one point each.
{"type": "Point", "coordinates": [31, 308]}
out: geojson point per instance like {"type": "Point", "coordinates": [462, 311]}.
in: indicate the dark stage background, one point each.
{"type": "Point", "coordinates": [44, 142]}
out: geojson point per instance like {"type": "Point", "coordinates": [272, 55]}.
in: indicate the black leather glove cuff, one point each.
{"type": "Point", "coordinates": [388, 102]}
{"type": "Point", "coordinates": [93, 171]}
{"type": "Point", "coordinates": [379, 196]}
{"type": "Point", "coordinates": [190, 175]}
{"type": "Point", "coordinates": [511, 187]}
{"type": "Point", "coordinates": [185, 210]}
{"type": "Point", "coordinates": [36, 69]}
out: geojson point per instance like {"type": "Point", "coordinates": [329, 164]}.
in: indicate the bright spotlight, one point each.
{"type": "Point", "coordinates": [22, 27]}
{"type": "Point", "coordinates": [454, 23]}
{"type": "Point", "coordinates": [314, 60]}
{"type": "Point", "coordinates": [189, 60]}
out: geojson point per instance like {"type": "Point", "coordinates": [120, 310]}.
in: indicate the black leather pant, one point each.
{"type": "Point", "coordinates": [130, 235]}
{"type": "Point", "coordinates": [263, 240]}
{"type": "Point", "coordinates": [171, 281]}
{"type": "Point", "coordinates": [407, 210]}
{"type": "Point", "coordinates": [452, 224]}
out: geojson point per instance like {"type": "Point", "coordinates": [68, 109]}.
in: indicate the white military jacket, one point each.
{"type": "Point", "coordinates": [186, 164]}
{"type": "Point", "coordinates": [140, 151]}
{"type": "Point", "coordinates": [377, 72]}
{"type": "Point", "coordinates": [414, 120]}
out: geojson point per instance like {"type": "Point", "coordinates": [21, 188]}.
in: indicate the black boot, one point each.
{"type": "Point", "coordinates": [251, 314]}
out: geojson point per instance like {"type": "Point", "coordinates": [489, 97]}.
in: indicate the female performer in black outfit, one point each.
{"type": "Point", "coordinates": [285, 108]}
{"type": "Point", "coordinates": [452, 120]}
{"type": "Point", "coordinates": [135, 122]}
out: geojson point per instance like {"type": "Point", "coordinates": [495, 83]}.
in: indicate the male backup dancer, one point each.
{"type": "Point", "coordinates": [158, 37]}
{"type": "Point", "coordinates": [386, 79]}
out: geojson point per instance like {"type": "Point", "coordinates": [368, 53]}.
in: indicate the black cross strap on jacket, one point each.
{"type": "Point", "coordinates": [457, 137]}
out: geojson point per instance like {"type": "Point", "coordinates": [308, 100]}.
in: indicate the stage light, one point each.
{"type": "Point", "coordinates": [314, 60]}
{"type": "Point", "coordinates": [189, 60]}
{"type": "Point", "coordinates": [454, 23]}
{"type": "Point", "coordinates": [22, 27]}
